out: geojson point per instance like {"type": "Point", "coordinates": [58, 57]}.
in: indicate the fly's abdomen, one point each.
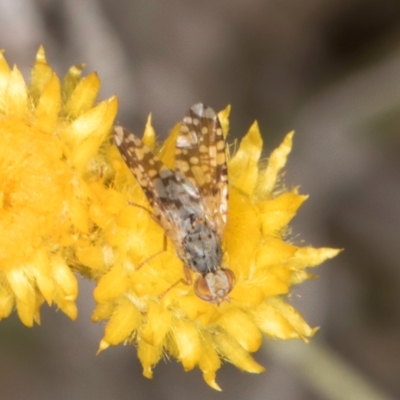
{"type": "Point", "coordinates": [202, 249]}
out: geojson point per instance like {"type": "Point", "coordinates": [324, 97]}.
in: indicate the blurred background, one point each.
{"type": "Point", "coordinates": [328, 69]}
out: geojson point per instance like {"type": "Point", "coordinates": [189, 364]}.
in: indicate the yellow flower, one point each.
{"type": "Point", "coordinates": [135, 294]}
{"type": "Point", "coordinates": [50, 132]}
{"type": "Point", "coordinates": [68, 202]}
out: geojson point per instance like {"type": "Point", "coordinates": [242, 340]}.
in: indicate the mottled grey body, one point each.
{"type": "Point", "coordinates": [202, 249]}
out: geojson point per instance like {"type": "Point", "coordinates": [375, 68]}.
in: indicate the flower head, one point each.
{"type": "Point", "coordinates": [69, 203]}
{"type": "Point", "coordinates": [51, 133]}
{"type": "Point", "coordinates": [142, 295]}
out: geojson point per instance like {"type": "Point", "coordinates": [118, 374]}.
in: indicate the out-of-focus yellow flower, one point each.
{"type": "Point", "coordinates": [198, 333]}
{"type": "Point", "coordinates": [50, 137]}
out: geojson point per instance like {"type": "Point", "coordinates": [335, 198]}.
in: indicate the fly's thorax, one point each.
{"type": "Point", "coordinates": [202, 249]}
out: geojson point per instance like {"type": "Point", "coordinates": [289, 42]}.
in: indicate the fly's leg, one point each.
{"type": "Point", "coordinates": [187, 280]}
{"type": "Point", "coordinates": [188, 275]}
{"type": "Point", "coordinates": [165, 243]}
{"type": "Point", "coordinates": [152, 215]}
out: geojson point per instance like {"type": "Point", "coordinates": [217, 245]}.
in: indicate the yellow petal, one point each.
{"type": "Point", "coordinates": [157, 326]}
{"type": "Point", "coordinates": [247, 295]}
{"type": "Point", "coordinates": [20, 284]}
{"type": "Point", "coordinates": [149, 135]}
{"type": "Point", "coordinates": [65, 278]}
{"type": "Point", "coordinates": [112, 284]}
{"type": "Point", "coordinates": [299, 276]}
{"type": "Point", "coordinates": [209, 362]}
{"type": "Point", "coordinates": [67, 286]}
{"type": "Point", "coordinates": [276, 162]}
{"type": "Point", "coordinates": [129, 217]}
{"type": "Point", "coordinates": [91, 257]}
{"type": "Point", "coordinates": [6, 299]}
{"type": "Point", "coordinates": [79, 215]}
{"type": "Point", "coordinates": [242, 233]}
{"type": "Point", "coordinates": [149, 356]}
{"type": "Point", "coordinates": [310, 257]}
{"type": "Point", "coordinates": [87, 132]}
{"type": "Point", "coordinates": [187, 346]}
{"type": "Point", "coordinates": [223, 117]}
{"type": "Point", "coordinates": [83, 96]}
{"type": "Point", "coordinates": [48, 107]}
{"type": "Point", "coordinates": [238, 325]}
{"type": "Point", "coordinates": [94, 123]}
{"type": "Point", "coordinates": [277, 213]}
{"type": "Point", "coordinates": [114, 201]}
{"type": "Point", "coordinates": [16, 96]}
{"type": "Point", "coordinates": [41, 74]}
{"type": "Point", "coordinates": [24, 291]}
{"type": "Point", "coordinates": [99, 215]}
{"type": "Point", "coordinates": [229, 348]}
{"type": "Point", "coordinates": [193, 307]}
{"type": "Point", "coordinates": [167, 151]}
{"type": "Point", "coordinates": [70, 81]}
{"type": "Point", "coordinates": [273, 279]}
{"type": "Point", "coordinates": [274, 251]}
{"type": "Point", "coordinates": [123, 322]}
{"type": "Point", "coordinates": [103, 311]}
{"type": "Point", "coordinates": [41, 270]}
{"type": "Point", "coordinates": [28, 312]}
{"type": "Point", "coordinates": [280, 320]}
{"type": "Point", "coordinates": [274, 284]}
{"type": "Point", "coordinates": [243, 167]}
{"type": "Point", "coordinates": [5, 73]}
{"type": "Point", "coordinates": [67, 307]}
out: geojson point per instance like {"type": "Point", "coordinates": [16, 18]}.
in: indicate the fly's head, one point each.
{"type": "Point", "coordinates": [215, 286]}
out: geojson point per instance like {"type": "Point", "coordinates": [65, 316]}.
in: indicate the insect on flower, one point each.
{"type": "Point", "coordinates": [191, 201]}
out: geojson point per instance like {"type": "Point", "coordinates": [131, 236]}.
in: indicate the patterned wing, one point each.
{"type": "Point", "coordinates": [175, 200]}
{"type": "Point", "coordinates": [201, 157]}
